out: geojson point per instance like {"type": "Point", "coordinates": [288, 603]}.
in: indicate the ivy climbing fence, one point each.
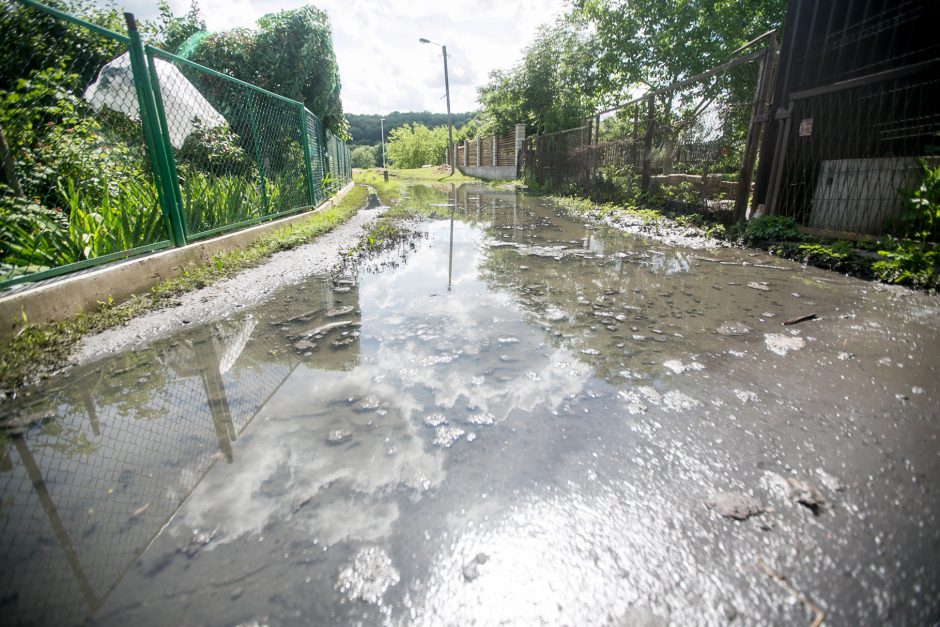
{"type": "Point", "coordinates": [112, 148]}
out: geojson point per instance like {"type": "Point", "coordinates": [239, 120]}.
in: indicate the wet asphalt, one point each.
{"type": "Point", "coordinates": [513, 418]}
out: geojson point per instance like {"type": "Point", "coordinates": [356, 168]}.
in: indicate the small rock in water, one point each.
{"type": "Point", "coordinates": [679, 367]}
{"type": "Point", "coordinates": [679, 401]}
{"type": "Point", "coordinates": [733, 328]}
{"type": "Point", "coordinates": [435, 420]}
{"type": "Point", "coordinates": [736, 505]}
{"type": "Point", "coordinates": [745, 396]}
{"type": "Point", "coordinates": [762, 286]}
{"type": "Point", "coordinates": [339, 311]}
{"type": "Point", "coordinates": [338, 436]}
{"type": "Point", "coordinates": [198, 540]}
{"type": "Point", "coordinates": [829, 482]}
{"type": "Point", "coordinates": [471, 570]}
{"type": "Point", "coordinates": [783, 344]}
{"type": "Point", "coordinates": [368, 577]}
{"type": "Point", "coordinates": [369, 403]}
{"type": "Point", "coordinates": [447, 435]}
{"type": "Point", "coordinates": [806, 494]}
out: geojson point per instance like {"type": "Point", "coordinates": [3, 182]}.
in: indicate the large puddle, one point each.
{"type": "Point", "coordinates": [520, 421]}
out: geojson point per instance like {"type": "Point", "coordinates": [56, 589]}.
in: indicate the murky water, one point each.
{"type": "Point", "coordinates": [522, 420]}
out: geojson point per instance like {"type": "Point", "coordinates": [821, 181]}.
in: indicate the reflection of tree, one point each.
{"type": "Point", "coordinates": [124, 387]}
{"type": "Point", "coordinates": [67, 439]}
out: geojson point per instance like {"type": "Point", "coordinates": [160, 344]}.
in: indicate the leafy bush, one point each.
{"type": "Point", "coordinates": [416, 145]}
{"type": "Point", "coordinates": [210, 202]}
{"type": "Point", "coordinates": [772, 228]}
{"type": "Point", "coordinates": [215, 151]}
{"type": "Point", "coordinates": [916, 262]}
{"type": "Point", "coordinates": [923, 217]}
{"type": "Point", "coordinates": [32, 237]}
{"type": "Point", "coordinates": [363, 157]}
{"type": "Point", "coordinates": [114, 220]}
{"type": "Point", "coordinates": [909, 263]}
{"type": "Point", "coordinates": [31, 39]}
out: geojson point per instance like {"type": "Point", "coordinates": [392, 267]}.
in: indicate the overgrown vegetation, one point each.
{"type": "Point", "coordinates": [416, 145]}
{"type": "Point", "coordinates": [80, 185]}
{"type": "Point", "coordinates": [602, 52]}
{"type": "Point", "coordinates": [387, 192]}
{"type": "Point", "coordinates": [366, 129]}
{"type": "Point", "coordinates": [38, 349]}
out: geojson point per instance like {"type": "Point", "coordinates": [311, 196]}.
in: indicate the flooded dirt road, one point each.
{"type": "Point", "coordinates": [523, 420]}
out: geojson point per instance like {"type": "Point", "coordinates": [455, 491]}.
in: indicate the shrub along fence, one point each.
{"type": "Point", "coordinates": [111, 148]}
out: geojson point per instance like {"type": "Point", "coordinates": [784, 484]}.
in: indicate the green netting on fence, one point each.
{"type": "Point", "coordinates": [238, 149]}
{"type": "Point", "coordinates": [76, 183]}
{"type": "Point", "coordinates": [110, 148]}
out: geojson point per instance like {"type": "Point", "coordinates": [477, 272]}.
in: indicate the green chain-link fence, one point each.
{"type": "Point", "coordinates": [110, 148]}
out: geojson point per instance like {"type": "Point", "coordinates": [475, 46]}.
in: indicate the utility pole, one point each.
{"type": "Point", "coordinates": [450, 127]}
{"type": "Point", "coordinates": [382, 126]}
{"type": "Point", "coordinates": [451, 156]}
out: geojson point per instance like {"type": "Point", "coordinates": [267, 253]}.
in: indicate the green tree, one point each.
{"type": "Point", "coordinates": [554, 86]}
{"type": "Point", "coordinates": [174, 30]}
{"type": "Point", "coordinates": [365, 128]}
{"type": "Point", "coordinates": [644, 45]}
{"type": "Point", "coordinates": [653, 43]}
{"type": "Point", "coordinates": [362, 157]}
{"type": "Point", "coordinates": [289, 53]}
{"type": "Point", "coordinates": [416, 145]}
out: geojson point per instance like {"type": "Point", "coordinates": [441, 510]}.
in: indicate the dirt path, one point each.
{"type": "Point", "coordinates": [218, 300]}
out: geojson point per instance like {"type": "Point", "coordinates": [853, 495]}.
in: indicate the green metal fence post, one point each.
{"type": "Point", "coordinates": [305, 142]}
{"type": "Point", "coordinates": [152, 135]}
{"type": "Point", "coordinates": [259, 155]}
{"type": "Point", "coordinates": [176, 213]}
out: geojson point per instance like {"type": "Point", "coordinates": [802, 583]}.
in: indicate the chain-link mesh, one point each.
{"type": "Point", "coordinates": [315, 132]}
{"type": "Point", "coordinates": [75, 184]}
{"type": "Point", "coordinates": [239, 152]}
{"type": "Point", "coordinates": [85, 493]}
{"type": "Point", "coordinates": [851, 155]}
{"type": "Point", "coordinates": [686, 143]}
{"type": "Point", "coordinates": [340, 167]}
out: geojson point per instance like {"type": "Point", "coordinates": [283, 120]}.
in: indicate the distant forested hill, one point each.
{"type": "Point", "coordinates": [365, 128]}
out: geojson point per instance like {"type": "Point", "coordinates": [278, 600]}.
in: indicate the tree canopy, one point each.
{"type": "Point", "coordinates": [652, 43]}
{"type": "Point", "coordinates": [553, 87]}
{"type": "Point", "coordinates": [362, 157]}
{"type": "Point", "coordinates": [415, 145]}
{"type": "Point", "coordinates": [289, 53]}
{"type": "Point", "coordinates": [366, 130]}
{"type": "Point", "coordinates": [603, 51]}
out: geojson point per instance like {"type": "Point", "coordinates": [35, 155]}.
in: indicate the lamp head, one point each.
{"type": "Point", "coordinates": [424, 41]}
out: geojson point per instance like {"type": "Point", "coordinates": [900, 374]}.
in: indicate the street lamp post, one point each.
{"type": "Point", "coordinates": [451, 156]}
{"type": "Point", "coordinates": [382, 127]}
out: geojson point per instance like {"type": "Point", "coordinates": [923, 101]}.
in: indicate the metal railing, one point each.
{"type": "Point", "coordinates": [111, 148]}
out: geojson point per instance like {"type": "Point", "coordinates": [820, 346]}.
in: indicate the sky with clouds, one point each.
{"type": "Point", "coordinates": [382, 65]}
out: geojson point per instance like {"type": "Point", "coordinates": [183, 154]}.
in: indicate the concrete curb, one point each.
{"type": "Point", "coordinates": [61, 298]}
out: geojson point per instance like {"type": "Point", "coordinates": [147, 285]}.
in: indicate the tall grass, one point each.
{"type": "Point", "coordinates": [211, 202]}
{"type": "Point", "coordinates": [123, 216]}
